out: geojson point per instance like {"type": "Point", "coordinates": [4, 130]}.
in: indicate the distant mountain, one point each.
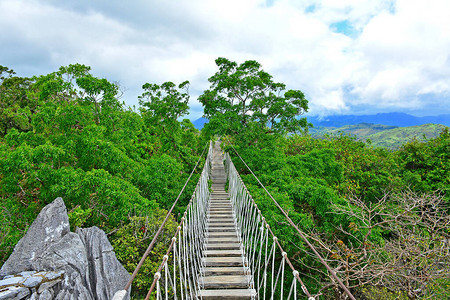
{"type": "Point", "coordinates": [391, 119]}
{"type": "Point", "coordinates": [360, 130]}
{"type": "Point", "coordinates": [382, 135]}
{"type": "Point", "coordinates": [199, 123]}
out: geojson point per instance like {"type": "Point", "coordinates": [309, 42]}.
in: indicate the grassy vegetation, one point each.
{"type": "Point", "coordinates": [360, 130]}
{"type": "Point", "coordinates": [395, 138]}
{"type": "Point", "coordinates": [391, 137]}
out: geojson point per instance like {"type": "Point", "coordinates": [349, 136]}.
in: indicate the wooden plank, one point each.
{"type": "Point", "coordinates": [223, 246]}
{"type": "Point", "coordinates": [223, 253]}
{"type": "Point", "coordinates": [235, 294]}
{"type": "Point", "coordinates": [222, 261]}
{"type": "Point", "coordinates": [210, 271]}
{"type": "Point", "coordinates": [226, 282]}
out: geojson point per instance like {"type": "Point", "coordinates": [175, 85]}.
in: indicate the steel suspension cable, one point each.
{"type": "Point", "coordinates": [187, 238]}
{"type": "Point", "coordinates": [302, 235]}
{"type": "Point", "coordinates": [251, 202]}
{"type": "Point", "coordinates": [152, 243]}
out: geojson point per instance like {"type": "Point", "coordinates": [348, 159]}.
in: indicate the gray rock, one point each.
{"type": "Point", "coordinates": [22, 293]}
{"type": "Point", "coordinates": [46, 295]}
{"type": "Point", "coordinates": [69, 265]}
{"type": "Point", "coordinates": [34, 296]}
{"type": "Point", "coordinates": [14, 292]}
{"type": "Point", "coordinates": [32, 281]}
{"type": "Point", "coordinates": [48, 285]}
{"type": "Point", "coordinates": [107, 275]}
{"type": "Point", "coordinates": [11, 281]}
{"type": "Point", "coordinates": [50, 226]}
{"type": "Point", "coordinates": [69, 255]}
{"type": "Point", "coordinates": [27, 273]}
{"type": "Point", "coordinates": [8, 293]}
{"type": "Point", "coordinates": [52, 275]}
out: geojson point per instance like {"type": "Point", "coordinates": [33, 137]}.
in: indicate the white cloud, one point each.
{"type": "Point", "coordinates": [397, 53]}
{"type": "Point", "coordinates": [405, 54]}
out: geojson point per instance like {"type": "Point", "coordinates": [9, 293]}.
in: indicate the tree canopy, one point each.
{"type": "Point", "coordinates": [243, 94]}
{"type": "Point", "coordinates": [164, 103]}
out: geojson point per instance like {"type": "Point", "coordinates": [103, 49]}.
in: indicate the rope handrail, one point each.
{"type": "Point", "coordinates": [302, 235]}
{"type": "Point", "coordinates": [188, 263]}
{"type": "Point", "coordinates": [122, 293]}
{"type": "Point", "coordinates": [236, 185]}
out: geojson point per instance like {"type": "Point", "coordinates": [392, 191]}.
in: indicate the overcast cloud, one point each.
{"type": "Point", "coordinates": [347, 56]}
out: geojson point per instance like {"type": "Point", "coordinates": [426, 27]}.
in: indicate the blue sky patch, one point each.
{"type": "Point", "coordinates": [310, 9]}
{"type": "Point", "coordinates": [344, 27]}
{"type": "Point", "coordinates": [269, 3]}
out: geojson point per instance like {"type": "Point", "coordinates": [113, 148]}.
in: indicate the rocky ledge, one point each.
{"type": "Point", "coordinates": [50, 262]}
{"type": "Point", "coordinates": [37, 285]}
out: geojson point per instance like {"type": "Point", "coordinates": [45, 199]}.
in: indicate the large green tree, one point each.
{"type": "Point", "coordinates": [15, 107]}
{"type": "Point", "coordinates": [165, 103]}
{"type": "Point", "coordinates": [161, 108]}
{"type": "Point", "coordinates": [243, 94]}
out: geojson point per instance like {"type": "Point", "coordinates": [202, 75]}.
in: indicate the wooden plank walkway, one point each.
{"type": "Point", "coordinates": [223, 275]}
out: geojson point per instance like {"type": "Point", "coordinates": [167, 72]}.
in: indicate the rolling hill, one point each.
{"type": "Point", "coordinates": [381, 135]}
{"type": "Point", "coordinates": [389, 119]}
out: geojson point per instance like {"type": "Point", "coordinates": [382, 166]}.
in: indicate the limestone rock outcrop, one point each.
{"type": "Point", "coordinates": [84, 262]}
{"type": "Point", "coordinates": [50, 226]}
{"type": "Point", "coordinates": [102, 260]}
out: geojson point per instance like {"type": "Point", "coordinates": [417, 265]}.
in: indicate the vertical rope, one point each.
{"type": "Point", "coordinates": [283, 261]}
{"type": "Point", "coordinates": [166, 279]}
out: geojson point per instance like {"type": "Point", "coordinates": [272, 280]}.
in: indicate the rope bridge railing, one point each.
{"type": "Point", "coordinates": [260, 246]}
{"type": "Point", "coordinates": [177, 275]}
{"type": "Point", "coordinates": [333, 274]}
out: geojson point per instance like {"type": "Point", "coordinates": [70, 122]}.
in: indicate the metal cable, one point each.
{"type": "Point", "coordinates": [236, 187]}
{"type": "Point", "coordinates": [193, 227]}
{"type": "Point", "coordinates": [302, 235]}
{"type": "Point", "coordinates": [147, 252]}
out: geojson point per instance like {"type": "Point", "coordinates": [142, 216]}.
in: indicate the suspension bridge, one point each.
{"type": "Point", "coordinates": [223, 247]}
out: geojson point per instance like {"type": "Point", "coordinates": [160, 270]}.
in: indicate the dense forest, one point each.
{"type": "Point", "coordinates": [379, 217]}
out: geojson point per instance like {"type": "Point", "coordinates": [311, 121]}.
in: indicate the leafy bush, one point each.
{"type": "Point", "coordinates": [131, 241]}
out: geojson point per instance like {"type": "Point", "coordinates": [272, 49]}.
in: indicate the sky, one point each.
{"type": "Point", "coordinates": [347, 56]}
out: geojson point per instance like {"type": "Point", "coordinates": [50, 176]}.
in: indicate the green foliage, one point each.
{"type": "Point", "coordinates": [439, 289]}
{"type": "Point", "coordinates": [426, 166]}
{"type": "Point", "coordinates": [380, 293]}
{"type": "Point", "coordinates": [15, 106]}
{"type": "Point", "coordinates": [78, 142]}
{"type": "Point", "coordinates": [311, 177]}
{"type": "Point", "coordinates": [78, 217]}
{"type": "Point", "coordinates": [131, 241]}
{"type": "Point", "coordinates": [164, 103]}
{"type": "Point", "coordinates": [244, 94]}
{"type": "Point", "coordinates": [13, 225]}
